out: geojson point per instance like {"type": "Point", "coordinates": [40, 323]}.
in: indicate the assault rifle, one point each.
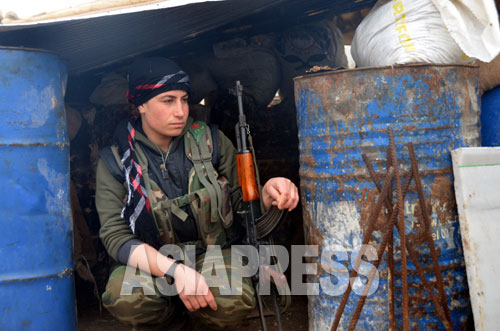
{"type": "Point", "coordinates": [258, 227]}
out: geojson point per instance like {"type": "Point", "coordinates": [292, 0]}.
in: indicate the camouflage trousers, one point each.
{"type": "Point", "coordinates": [138, 308]}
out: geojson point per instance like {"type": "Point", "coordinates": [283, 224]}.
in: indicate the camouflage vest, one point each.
{"type": "Point", "coordinates": [208, 195]}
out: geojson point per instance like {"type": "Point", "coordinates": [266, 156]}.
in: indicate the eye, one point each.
{"type": "Point", "coordinates": [168, 100]}
{"type": "Point", "coordinates": [185, 100]}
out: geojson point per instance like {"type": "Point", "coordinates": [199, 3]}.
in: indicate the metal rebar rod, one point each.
{"type": "Point", "coordinates": [390, 245]}
{"type": "Point", "coordinates": [390, 258]}
{"type": "Point", "coordinates": [390, 266]}
{"type": "Point", "coordinates": [411, 252]}
{"type": "Point", "coordinates": [372, 218]}
{"type": "Point", "coordinates": [420, 271]}
{"type": "Point", "coordinates": [385, 239]}
{"type": "Point", "coordinates": [413, 255]}
{"type": "Point", "coordinates": [371, 275]}
{"type": "Point", "coordinates": [427, 230]}
{"type": "Point", "coordinates": [402, 233]}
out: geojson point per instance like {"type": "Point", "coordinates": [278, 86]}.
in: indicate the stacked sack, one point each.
{"type": "Point", "coordinates": [404, 31]}
{"type": "Point", "coordinates": [267, 62]}
{"type": "Point", "coordinates": [256, 67]}
{"type": "Point", "coordinates": [304, 46]}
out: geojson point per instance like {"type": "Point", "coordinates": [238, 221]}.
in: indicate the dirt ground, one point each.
{"type": "Point", "coordinates": [295, 318]}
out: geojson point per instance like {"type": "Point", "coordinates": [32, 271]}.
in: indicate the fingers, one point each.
{"type": "Point", "coordinates": [202, 301]}
{"type": "Point", "coordinates": [273, 190]}
{"type": "Point", "coordinates": [190, 301]}
{"type": "Point", "coordinates": [283, 192]}
{"type": "Point", "coordinates": [196, 294]}
{"type": "Point", "coordinates": [204, 295]}
{"type": "Point", "coordinates": [186, 301]}
{"type": "Point", "coordinates": [293, 198]}
{"type": "Point", "coordinates": [211, 300]}
{"type": "Point", "coordinates": [195, 302]}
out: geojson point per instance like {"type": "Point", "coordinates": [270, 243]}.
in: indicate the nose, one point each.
{"type": "Point", "coordinates": [179, 109]}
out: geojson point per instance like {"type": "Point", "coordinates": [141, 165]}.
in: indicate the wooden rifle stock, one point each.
{"type": "Point", "coordinates": [246, 177]}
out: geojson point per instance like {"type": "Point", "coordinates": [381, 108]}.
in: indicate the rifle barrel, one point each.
{"type": "Point", "coordinates": [242, 120]}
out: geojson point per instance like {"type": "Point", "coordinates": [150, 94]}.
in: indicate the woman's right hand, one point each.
{"type": "Point", "coordinates": [193, 289]}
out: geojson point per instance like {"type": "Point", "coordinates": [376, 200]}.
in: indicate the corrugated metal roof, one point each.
{"type": "Point", "coordinates": [92, 9]}
{"type": "Point", "coordinates": [93, 43]}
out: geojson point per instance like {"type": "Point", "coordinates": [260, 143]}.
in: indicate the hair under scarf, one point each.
{"type": "Point", "coordinates": [151, 76]}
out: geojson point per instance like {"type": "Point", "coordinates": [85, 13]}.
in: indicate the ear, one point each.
{"type": "Point", "coordinates": [141, 109]}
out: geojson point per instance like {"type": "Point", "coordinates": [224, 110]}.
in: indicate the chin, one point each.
{"type": "Point", "coordinates": [174, 133]}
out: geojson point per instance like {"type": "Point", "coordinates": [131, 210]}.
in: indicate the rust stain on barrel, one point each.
{"type": "Point", "coordinates": [442, 193]}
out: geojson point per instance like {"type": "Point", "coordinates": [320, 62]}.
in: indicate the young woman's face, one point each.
{"type": "Point", "coordinates": [165, 115]}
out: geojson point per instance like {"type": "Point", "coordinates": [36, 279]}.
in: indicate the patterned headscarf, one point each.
{"type": "Point", "coordinates": [151, 76]}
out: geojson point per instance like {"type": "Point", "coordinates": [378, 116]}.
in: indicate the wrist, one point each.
{"type": "Point", "coordinates": [170, 273]}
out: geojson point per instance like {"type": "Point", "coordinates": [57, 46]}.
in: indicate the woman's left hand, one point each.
{"type": "Point", "coordinates": [280, 192]}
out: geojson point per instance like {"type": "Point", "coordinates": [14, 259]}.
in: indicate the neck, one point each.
{"type": "Point", "coordinates": [164, 146]}
{"type": "Point", "coordinates": [161, 141]}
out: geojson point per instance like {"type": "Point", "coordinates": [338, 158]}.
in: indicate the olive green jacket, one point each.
{"type": "Point", "coordinates": [111, 194]}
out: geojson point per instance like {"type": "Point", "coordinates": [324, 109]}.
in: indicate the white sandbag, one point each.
{"type": "Point", "coordinates": [404, 31]}
{"type": "Point", "coordinates": [305, 46]}
{"type": "Point", "coordinates": [473, 25]}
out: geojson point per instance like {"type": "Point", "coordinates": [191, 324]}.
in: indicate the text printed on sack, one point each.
{"type": "Point", "coordinates": [400, 17]}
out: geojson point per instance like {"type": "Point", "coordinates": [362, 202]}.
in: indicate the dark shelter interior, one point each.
{"type": "Point", "coordinates": [262, 43]}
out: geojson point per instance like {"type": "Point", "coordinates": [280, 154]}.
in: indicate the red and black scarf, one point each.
{"type": "Point", "coordinates": [137, 211]}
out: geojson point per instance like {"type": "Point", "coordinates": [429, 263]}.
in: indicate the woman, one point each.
{"type": "Point", "coordinates": [152, 191]}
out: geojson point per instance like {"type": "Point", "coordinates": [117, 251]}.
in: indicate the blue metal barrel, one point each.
{"type": "Point", "coordinates": [36, 246]}
{"type": "Point", "coordinates": [342, 114]}
{"type": "Point", "coordinates": [490, 118]}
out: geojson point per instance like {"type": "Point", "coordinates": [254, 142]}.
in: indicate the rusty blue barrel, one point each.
{"type": "Point", "coordinates": [342, 114]}
{"type": "Point", "coordinates": [490, 118]}
{"type": "Point", "coordinates": [36, 274]}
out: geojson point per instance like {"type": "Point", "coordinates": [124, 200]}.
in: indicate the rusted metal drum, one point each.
{"type": "Point", "coordinates": [342, 114]}
{"type": "Point", "coordinates": [36, 249]}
